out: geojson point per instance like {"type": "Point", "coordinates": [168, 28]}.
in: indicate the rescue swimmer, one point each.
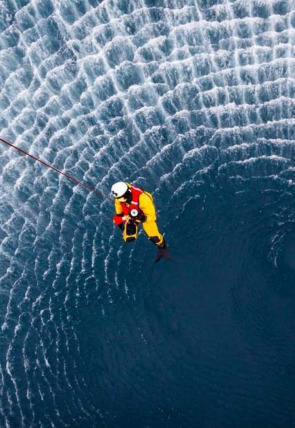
{"type": "Point", "coordinates": [134, 206]}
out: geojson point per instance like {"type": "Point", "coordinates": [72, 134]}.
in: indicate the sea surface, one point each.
{"type": "Point", "coordinates": [195, 101]}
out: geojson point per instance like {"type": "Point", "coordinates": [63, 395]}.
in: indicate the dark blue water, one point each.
{"type": "Point", "coordinates": [193, 100]}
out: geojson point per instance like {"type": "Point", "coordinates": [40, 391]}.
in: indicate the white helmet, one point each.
{"type": "Point", "coordinates": [119, 189]}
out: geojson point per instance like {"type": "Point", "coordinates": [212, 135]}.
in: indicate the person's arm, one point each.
{"type": "Point", "coordinates": [118, 218]}
{"type": "Point", "coordinates": [118, 207]}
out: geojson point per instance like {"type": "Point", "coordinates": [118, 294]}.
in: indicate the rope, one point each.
{"type": "Point", "coordinates": [91, 189]}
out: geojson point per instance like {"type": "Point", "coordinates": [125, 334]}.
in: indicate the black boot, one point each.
{"type": "Point", "coordinates": [163, 252]}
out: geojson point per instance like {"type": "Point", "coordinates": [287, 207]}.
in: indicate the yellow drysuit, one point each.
{"type": "Point", "coordinates": [147, 206]}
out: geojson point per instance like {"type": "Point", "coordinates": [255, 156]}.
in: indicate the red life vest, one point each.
{"type": "Point", "coordinates": [132, 208]}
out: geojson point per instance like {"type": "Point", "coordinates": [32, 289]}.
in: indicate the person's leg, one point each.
{"type": "Point", "coordinates": [152, 231]}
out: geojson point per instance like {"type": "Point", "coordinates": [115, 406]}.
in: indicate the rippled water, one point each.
{"type": "Point", "coordinates": [194, 100]}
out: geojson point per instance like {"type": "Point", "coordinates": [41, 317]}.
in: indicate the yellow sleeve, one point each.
{"type": "Point", "coordinates": [146, 204]}
{"type": "Point", "coordinates": [118, 208]}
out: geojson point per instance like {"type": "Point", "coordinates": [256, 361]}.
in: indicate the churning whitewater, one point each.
{"type": "Point", "coordinates": [193, 100]}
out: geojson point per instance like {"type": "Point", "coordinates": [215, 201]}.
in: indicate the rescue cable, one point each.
{"type": "Point", "coordinates": [91, 189]}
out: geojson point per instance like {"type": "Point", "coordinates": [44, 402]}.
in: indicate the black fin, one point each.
{"type": "Point", "coordinates": [163, 253]}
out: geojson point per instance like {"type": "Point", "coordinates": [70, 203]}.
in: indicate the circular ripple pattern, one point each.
{"type": "Point", "coordinates": [194, 100]}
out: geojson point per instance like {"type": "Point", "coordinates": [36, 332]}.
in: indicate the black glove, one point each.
{"type": "Point", "coordinates": [141, 217]}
